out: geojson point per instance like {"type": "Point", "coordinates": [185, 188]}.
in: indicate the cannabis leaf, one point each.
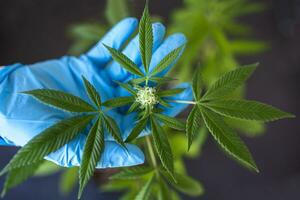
{"type": "Point", "coordinates": [118, 102]}
{"type": "Point", "coordinates": [164, 103]}
{"type": "Point", "coordinates": [134, 106]}
{"type": "Point", "coordinates": [170, 92]}
{"type": "Point", "coordinates": [187, 185]}
{"type": "Point", "coordinates": [145, 192]}
{"type": "Point", "coordinates": [249, 110]}
{"type": "Point", "coordinates": [164, 191]}
{"type": "Point", "coordinates": [227, 138]}
{"type": "Point", "coordinates": [93, 149]}
{"type": "Point", "coordinates": [197, 85]}
{"type": "Point", "coordinates": [61, 100]}
{"type": "Point", "coordinates": [48, 141]}
{"type": "Point", "coordinates": [127, 87]}
{"type": "Point", "coordinates": [124, 61]}
{"type": "Point", "coordinates": [68, 180]}
{"type": "Point", "coordinates": [162, 146]}
{"type": "Point", "coordinates": [166, 61]}
{"type": "Point", "coordinates": [19, 175]}
{"type": "Point", "coordinates": [92, 93]}
{"type": "Point", "coordinates": [229, 82]}
{"type": "Point", "coordinates": [170, 121]}
{"type": "Point", "coordinates": [141, 124]}
{"type": "Point", "coordinates": [193, 124]}
{"type": "Point", "coordinates": [132, 173]}
{"type": "Point", "coordinates": [161, 80]}
{"type": "Point", "coordinates": [112, 127]}
{"type": "Point", "coordinates": [146, 38]}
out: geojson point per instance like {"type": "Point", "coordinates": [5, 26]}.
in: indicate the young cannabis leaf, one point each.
{"type": "Point", "coordinates": [93, 149]}
{"type": "Point", "coordinates": [146, 38]}
{"type": "Point", "coordinates": [148, 99]}
{"type": "Point", "coordinates": [213, 106]}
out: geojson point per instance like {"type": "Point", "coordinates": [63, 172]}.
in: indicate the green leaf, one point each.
{"type": "Point", "coordinates": [171, 122]}
{"type": "Point", "coordinates": [127, 87]}
{"type": "Point", "coordinates": [129, 195]}
{"type": "Point", "coordinates": [48, 141]}
{"type": "Point", "coordinates": [167, 61]}
{"type": "Point", "coordinates": [162, 146]}
{"type": "Point", "coordinates": [197, 83]}
{"type": "Point", "coordinates": [47, 168]}
{"type": "Point", "coordinates": [145, 191]}
{"type": "Point", "coordinates": [132, 173]}
{"type": "Point", "coordinates": [228, 139]}
{"type": "Point", "coordinates": [244, 47]}
{"type": "Point", "coordinates": [135, 132]}
{"type": "Point", "coordinates": [175, 196]}
{"type": "Point", "coordinates": [92, 92]}
{"type": "Point", "coordinates": [246, 127]}
{"type": "Point", "coordinates": [229, 82]}
{"type": "Point", "coordinates": [199, 141]}
{"type": "Point", "coordinates": [188, 185]}
{"type": "Point", "coordinates": [68, 180]}
{"type": "Point", "coordinates": [164, 103]}
{"type": "Point", "coordinates": [161, 80]}
{"type": "Point", "coordinates": [170, 92]}
{"type": "Point", "coordinates": [61, 100]}
{"type": "Point", "coordinates": [19, 175]}
{"type": "Point", "coordinates": [93, 149]}
{"type": "Point", "coordinates": [117, 185]}
{"type": "Point", "coordinates": [193, 125]}
{"type": "Point", "coordinates": [112, 127]}
{"type": "Point", "coordinates": [116, 10]}
{"type": "Point", "coordinates": [134, 106]}
{"type": "Point", "coordinates": [163, 190]}
{"type": "Point", "coordinates": [118, 102]}
{"type": "Point", "coordinates": [136, 81]}
{"type": "Point", "coordinates": [248, 110]}
{"type": "Point", "coordinates": [146, 38]}
{"type": "Point", "coordinates": [124, 61]}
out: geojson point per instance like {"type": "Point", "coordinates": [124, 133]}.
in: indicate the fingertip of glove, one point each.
{"type": "Point", "coordinates": [180, 38]}
{"type": "Point", "coordinates": [129, 21]}
{"type": "Point", "coordinates": [158, 27]}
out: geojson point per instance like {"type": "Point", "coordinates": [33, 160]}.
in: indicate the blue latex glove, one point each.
{"type": "Point", "coordinates": [22, 117]}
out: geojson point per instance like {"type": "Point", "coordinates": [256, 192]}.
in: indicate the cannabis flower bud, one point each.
{"type": "Point", "coordinates": [146, 96]}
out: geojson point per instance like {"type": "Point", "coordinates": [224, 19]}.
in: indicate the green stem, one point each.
{"type": "Point", "coordinates": [183, 102]}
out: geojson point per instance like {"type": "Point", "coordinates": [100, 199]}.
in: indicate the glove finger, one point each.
{"type": "Point", "coordinates": [117, 72]}
{"type": "Point", "coordinates": [115, 38]}
{"type": "Point", "coordinates": [113, 155]}
{"type": "Point", "coordinates": [172, 42]}
{"type": "Point", "coordinates": [186, 95]}
{"type": "Point", "coordinates": [24, 129]}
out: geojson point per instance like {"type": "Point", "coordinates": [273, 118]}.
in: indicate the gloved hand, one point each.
{"type": "Point", "coordinates": [23, 117]}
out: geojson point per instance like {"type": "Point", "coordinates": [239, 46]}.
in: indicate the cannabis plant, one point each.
{"type": "Point", "coordinates": [149, 98]}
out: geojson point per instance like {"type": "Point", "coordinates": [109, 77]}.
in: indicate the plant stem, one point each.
{"type": "Point", "coordinates": [147, 80]}
{"type": "Point", "coordinates": [183, 102]}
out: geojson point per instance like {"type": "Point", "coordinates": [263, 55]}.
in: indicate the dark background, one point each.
{"type": "Point", "coordinates": [34, 30]}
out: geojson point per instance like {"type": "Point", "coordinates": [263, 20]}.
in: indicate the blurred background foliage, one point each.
{"type": "Point", "coordinates": [215, 40]}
